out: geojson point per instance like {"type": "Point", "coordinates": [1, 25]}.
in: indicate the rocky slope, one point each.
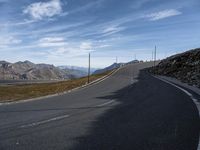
{"type": "Point", "coordinates": [30, 71]}
{"type": "Point", "coordinates": [184, 66]}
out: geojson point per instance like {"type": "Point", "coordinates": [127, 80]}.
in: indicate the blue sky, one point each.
{"type": "Point", "coordinates": [63, 32]}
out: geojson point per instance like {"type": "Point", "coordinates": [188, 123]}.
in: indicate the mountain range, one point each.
{"type": "Point", "coordinates": [114, 66]}
{"type": "Point", "coordinates": [26, 70]}
{"type": "Point", "coordinates": [30, 71]}
{"type": "Point", "coordinates": [109, 68]}
{"type": "Point", "coordinates": [83, 69]}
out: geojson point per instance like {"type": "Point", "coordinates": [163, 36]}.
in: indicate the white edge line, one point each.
{"type": "Point", "coordinates": [186, 92]}
{"type": "Point", "coordinates": [105, 103]}
{"type": "Point", "coordinates": [44, 121]}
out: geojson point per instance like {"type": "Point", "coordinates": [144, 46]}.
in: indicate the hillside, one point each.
{"type": "Point", "coordinates": [30, 71]}
{"type": "Point", "coordinates": [77, 68]}
{"type": "Point", "coordinates": [184, 67]}
{"type": "Point", "coordinates": [111, 67]}
{"type": "Point", "coordinates": [114, 66]}
{"type": "Point", "coordinates": [74, 73]}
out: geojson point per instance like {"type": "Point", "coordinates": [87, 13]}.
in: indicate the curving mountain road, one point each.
{"type": "Point", "coordinates": [129, 110]}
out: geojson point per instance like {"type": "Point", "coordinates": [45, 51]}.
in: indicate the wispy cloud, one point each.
{"type": "Point", "coordinates": [102, 30]}
{"type": "Point", "coordinates": [71, 50]}
{"type": "Point", "coordinates": [58, 47]}
{"type": "Point", "coordinates": [41, 10]}
{"type": "Point", "coordinates": [7, 41]}
{"type": "Point", "coordinates": [52, 42]}
{"type": "Point", "coordinates": [112, 29]}
{"type": "Point", "coordinates": [163, 14]}
{"type": "Point", "coordinates": [86, 46]}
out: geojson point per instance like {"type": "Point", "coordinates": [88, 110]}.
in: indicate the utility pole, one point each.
{"type": "Point", "coordinates": [89, 69]}
{"type": "Point", "coordinates": [155, 59]}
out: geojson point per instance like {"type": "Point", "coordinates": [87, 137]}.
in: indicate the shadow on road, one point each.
{"type": "Point", "coordinates": [151, 116]}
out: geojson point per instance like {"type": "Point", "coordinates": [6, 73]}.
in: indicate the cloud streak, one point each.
{"type": "Point", "coordinates": [52, 42]}
{"type": "Point", "coordinates": [7, 41]}
{"type": "Point", "coordinates": [163, 14]}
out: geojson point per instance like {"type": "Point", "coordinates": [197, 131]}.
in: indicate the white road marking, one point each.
{"type": "Point", "coordinates": [44, 121]}
{"type": "Point", "coordinates": [57, 118]}
{"type": "Point", "coordinates": [106, 103]}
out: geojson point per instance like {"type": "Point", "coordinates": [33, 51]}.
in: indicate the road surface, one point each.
{"type": "Point", "coordinates": [129, 110]}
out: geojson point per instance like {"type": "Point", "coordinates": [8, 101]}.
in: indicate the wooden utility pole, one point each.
{"type": "Point", "coordinates": [89, 69]}
{"type": "Point", "coordinates": [155, 59]}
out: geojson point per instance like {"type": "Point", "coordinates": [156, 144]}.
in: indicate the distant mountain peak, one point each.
{"type": "Point", "coordinates": [4, 62]}
{"type": "Point", "coordinates": [29, 62]}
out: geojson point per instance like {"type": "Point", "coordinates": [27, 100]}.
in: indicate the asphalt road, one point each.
{"type": "Point", "coordinates": [129, 110]}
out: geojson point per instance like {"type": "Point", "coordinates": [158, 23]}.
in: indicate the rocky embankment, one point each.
{"type": "Point", "coordinates": [184, 67]}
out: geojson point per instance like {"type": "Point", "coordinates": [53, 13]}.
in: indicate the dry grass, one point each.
{"type": "Point", "coordinates": [20, 92]}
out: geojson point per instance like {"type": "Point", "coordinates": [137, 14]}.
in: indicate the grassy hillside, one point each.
{"type": "Point", "coordinates": [20, 92]}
